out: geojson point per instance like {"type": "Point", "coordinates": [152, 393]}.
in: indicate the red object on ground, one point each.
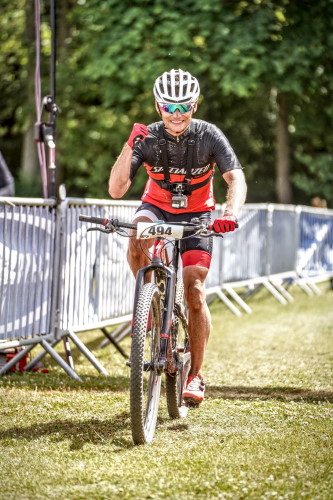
{"type": "Point", "coordinates": [8, 354]}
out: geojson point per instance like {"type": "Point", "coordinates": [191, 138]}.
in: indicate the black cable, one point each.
{"type": "Point", "coordinates": [53, 53]}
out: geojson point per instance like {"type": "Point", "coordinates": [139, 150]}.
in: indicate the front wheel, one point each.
{"type": "Point", "coordinates": [145, 379]}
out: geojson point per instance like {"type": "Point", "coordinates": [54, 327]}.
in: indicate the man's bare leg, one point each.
{"type": "Point", "coordinates": [199, 315]}
{"type": "Point", "coordinates": [138, 250]}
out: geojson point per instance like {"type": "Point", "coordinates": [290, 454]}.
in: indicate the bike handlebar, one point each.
{"type": "Point", "coordinates": [115, 223]}
{"type": "Point", "coordinates": [111, 225]}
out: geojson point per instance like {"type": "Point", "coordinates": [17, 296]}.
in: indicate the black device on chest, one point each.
{"type": "Point", "coordinates": [179, 200]}
{"type": "Point", "coordinates": [179, 190]}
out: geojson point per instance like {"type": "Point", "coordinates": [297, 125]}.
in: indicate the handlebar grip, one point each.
{"type": "Point", "coordinates": [93, 220]}
{"type": "Point", "coordinates": [210, 227]}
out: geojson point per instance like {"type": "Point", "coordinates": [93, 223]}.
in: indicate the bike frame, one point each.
{"type": "Point", "coordinates": [169, 275]}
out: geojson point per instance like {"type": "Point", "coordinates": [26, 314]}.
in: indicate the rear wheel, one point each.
{"type": "Point", "coordinates": [175, 382]}
{"type": "Point", "coordinates": [145, 379]}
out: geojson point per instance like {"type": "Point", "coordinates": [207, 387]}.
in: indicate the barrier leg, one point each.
{"type": "Point", "coordinates": [314, 287]}
{"type": "Point", "coordinates": [114, 342]}
{"type": "Point", "coordinates": [228, 302]}
{"type": "Point", "coordinates": [238, 299]}
{"type": "Point", "coordinates": [68, 352]}
{"type": "Point", "coordinates": [125, 333]}
{"type": "Point", "coordinates": [304, 286]}
{"type": "Point", "coordinates": [280, 288]}
{"type": "Point", "coordinates": [274, 292]}
{"type": "Point", "coordinates": [65, 366]}
{"type": "Point", "coordinates": [80, 345]}
{"type": "Point", "coordinates": [252, 291]}
{"type": "Point", "coordinates": [15, 359]}
{"type": "Point", "coordinates": [116, 335]}
{"type": "Point", "coordinates": [39, 357]}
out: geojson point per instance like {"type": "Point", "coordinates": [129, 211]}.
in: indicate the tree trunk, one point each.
{"type": "Point", "coordinates": [29, 160]}
{"type": "Point", "coordinates": [283, 186]}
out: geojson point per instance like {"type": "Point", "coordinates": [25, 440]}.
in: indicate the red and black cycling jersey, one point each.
{"type": "Point", "coordinates": [211, 148]}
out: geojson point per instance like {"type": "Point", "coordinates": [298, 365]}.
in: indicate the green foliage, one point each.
{"type": "Point", "coordinates": [244, 53]}
{"type": "Point", "coordinates": [13, 60]}
{"type": "Point", "coordinates": [16, 32]}
{"type": "Point", "coordinates": [25, 184]}
{"type": "Point", "coordinates": [239, 52]}
{"type": "Point", "coordinates": [316, 175]}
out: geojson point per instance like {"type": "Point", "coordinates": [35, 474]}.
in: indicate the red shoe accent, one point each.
{"type": "Point", "coordinates": [194, 391]}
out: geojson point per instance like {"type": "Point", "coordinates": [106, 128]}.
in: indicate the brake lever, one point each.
{"type": "Point", "coordinates": [204, 232]}
{"type": "Point", "coordinates": [211, 233]}
{"type": "Point", "coordinates": [107, 231]}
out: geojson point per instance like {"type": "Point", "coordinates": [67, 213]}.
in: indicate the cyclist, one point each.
{"type": "Point", "coordinates": [179, 154]}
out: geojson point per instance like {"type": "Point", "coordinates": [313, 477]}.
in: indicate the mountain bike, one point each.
{"type": "Point", "coordinates": [159, 332]}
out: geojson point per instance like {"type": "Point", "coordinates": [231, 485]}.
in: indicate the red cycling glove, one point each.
{"type": "Point", "coordinates": [139, 133]}
{"type": "Point", "coordinates": [227, 223]}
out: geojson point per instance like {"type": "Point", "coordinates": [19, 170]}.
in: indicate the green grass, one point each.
{"type": "Point", "coordinates": [264, 431]}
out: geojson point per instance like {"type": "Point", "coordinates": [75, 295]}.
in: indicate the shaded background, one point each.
{"type": "Point", "coordinates": [265, 70]}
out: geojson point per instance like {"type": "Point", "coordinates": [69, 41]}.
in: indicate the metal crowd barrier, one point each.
{"type": "Point", "coordinates": [315, 248]}
{"type": "Point", "coordinates": [276, 244]}
{"type": "Point", "coordinates": [29, 264]}
{"type": "Point", "coordinates": [27, 285]}
{"type": "Point", "coordinates": [57, 279]}
{"type": "Point", "coordinates": [96, 282]}
{"type": "Point", "coordinates": [96, 285]}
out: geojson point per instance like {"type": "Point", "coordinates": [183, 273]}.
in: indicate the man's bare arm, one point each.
{"type": "Point", "coordinates": [119, 180]}
{"type": "Point", "coordinates": [237, 188]}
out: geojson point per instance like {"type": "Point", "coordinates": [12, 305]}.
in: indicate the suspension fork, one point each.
{"type": "Point", "coordinates": [168, 295]}
{"type": "Point", "coordinates": [169, 299]}
{"type": "Point", "coordinates": [167, 316]}
{"type": "Point", "coordinates": [141, 280]}
{"type": "Point", "coordinates": [168, 275]}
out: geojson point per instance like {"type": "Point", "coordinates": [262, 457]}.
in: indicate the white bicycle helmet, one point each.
{"type": "Point", "coordinates": [176, 86]}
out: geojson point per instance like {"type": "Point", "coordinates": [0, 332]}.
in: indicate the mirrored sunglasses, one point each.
{"type": "Point", "coordinates": [171, 108]}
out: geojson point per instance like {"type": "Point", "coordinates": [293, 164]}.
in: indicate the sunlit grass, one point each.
{"type": "Point", "coordinates": [264, 431]}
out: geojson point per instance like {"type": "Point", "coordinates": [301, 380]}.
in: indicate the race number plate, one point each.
{"type": "Point", "coordinates": [153, 230]}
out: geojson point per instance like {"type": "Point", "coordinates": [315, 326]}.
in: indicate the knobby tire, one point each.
{"type": "Point", "coordinates": [145, 380]}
